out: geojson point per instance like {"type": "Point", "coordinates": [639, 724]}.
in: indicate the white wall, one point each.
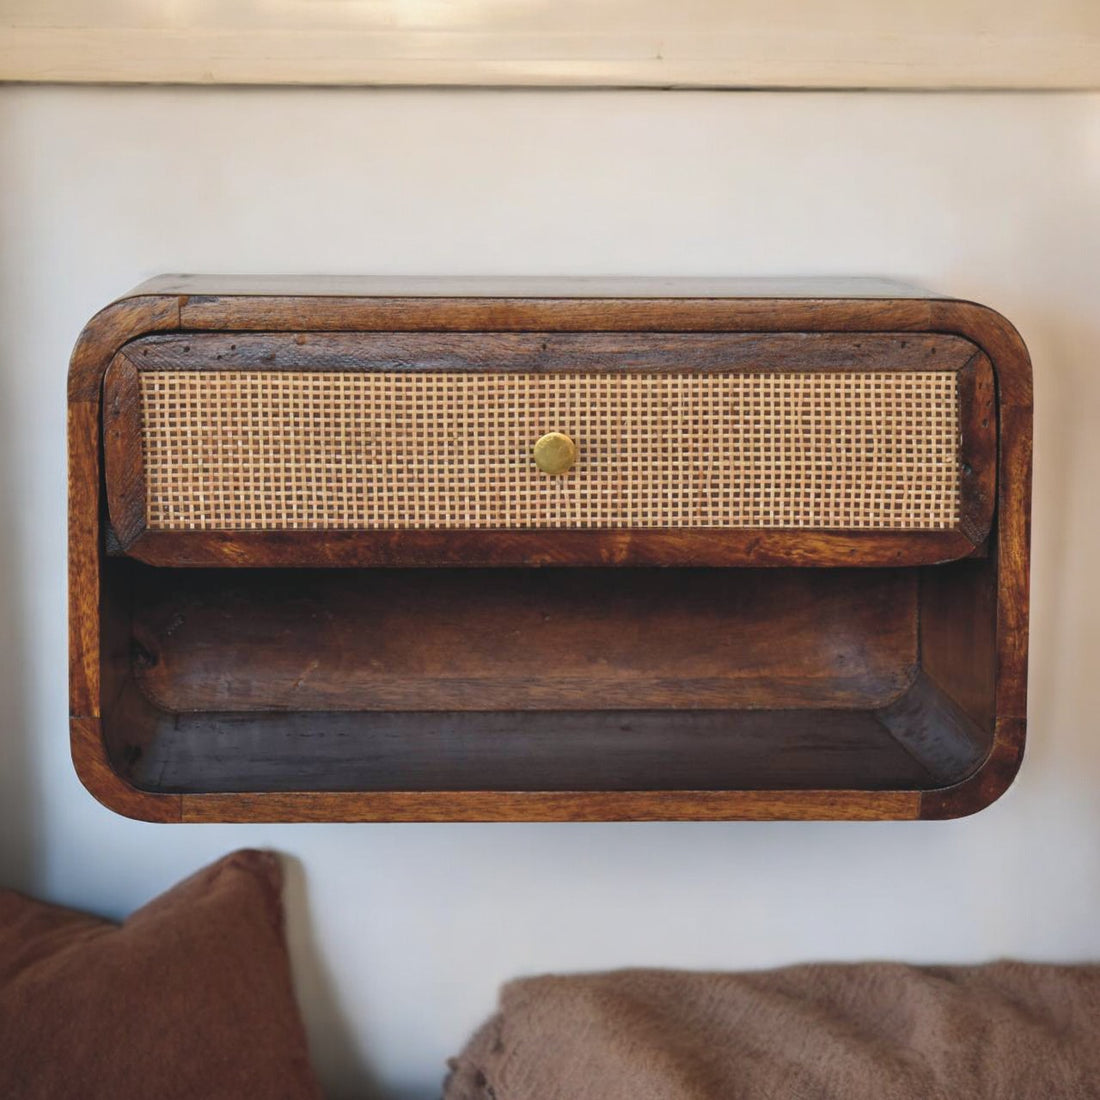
{"type": "Point", "coordinates": [402, 933]}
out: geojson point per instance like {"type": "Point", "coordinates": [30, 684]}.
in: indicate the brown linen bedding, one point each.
{"type": "Point", "coordinates": [875, 1031]}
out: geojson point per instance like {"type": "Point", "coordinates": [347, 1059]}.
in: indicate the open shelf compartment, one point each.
{"type": "Point", "coordinates": [549, 679]}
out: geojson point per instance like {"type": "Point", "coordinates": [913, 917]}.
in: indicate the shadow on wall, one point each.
{"type": "Point", "coordinates": [18, 817]}
{"type": "Point", "coordinates": [333, 1047]}
{"type": "Point", "coordinates": [19, 814]}
{"type": "Point", "coordinates": [1065, 540]}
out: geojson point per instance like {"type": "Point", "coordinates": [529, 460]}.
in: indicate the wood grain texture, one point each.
{"type": "Point", "coordinates": [977, 448]}
{"type": "Point", "coordinates": [115, 639]}
{"type": "Point", "coordinates": [591, 751]}
{"type": "Point", "coordinates": [99, 341]}
{"type": "Point", "coordinates": [102, 336]}
{"type": "Point", "coordinates": [84, 547]}
{"type": "Point", "coordinates": [1012, 367]}
{"type": "Point", "coordinates": [127, 319]}
{"type": "Point", "coordinates": [997, 337]}
{"type": "Point", "coordinates": [750, 547]}
{"type": "Point", "coordinates": [935, 730]}
{"type": "Point", "coordinates": [958, 617]}
{"type": "Point", "coordinates": [553, 806]}
{"type": "Point", "coordinates": [537, 352]}
{"type": "Point", "coordinates": [219, 313]}
{"type": "Point", "coordinates": [103, 782]}
{"type": "Point", "coordinates": [985, 785]}
{"type": "Point", "coordinates": [1014, 561]}
{"type": "Point", "coordinates": [507, 639]}
{"type": "Point", "coordinates": [123, 459]}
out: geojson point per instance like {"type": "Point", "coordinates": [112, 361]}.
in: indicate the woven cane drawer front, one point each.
{"type": "Point", "coordinates": [325, 450]}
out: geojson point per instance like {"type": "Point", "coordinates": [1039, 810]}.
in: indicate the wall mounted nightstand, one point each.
{"type": "Point", "coordinates": [346, 549]}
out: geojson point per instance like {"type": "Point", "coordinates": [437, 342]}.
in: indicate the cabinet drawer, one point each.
{"type": "Point", "coordinates": [727, 448]}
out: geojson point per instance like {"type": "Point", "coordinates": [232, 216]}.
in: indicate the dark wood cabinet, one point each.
{"type": "Point", "coordinates": [541, 550]}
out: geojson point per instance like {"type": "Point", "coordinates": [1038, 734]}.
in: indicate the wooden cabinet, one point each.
{"type": "Point", "coordinates": [466, 550]}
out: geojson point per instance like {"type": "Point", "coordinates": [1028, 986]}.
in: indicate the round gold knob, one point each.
{"type": "Point", "coordinates": [555, 453]}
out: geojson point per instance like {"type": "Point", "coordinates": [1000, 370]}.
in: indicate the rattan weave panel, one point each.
{"type": "Point", "coordinates": [317, 450]}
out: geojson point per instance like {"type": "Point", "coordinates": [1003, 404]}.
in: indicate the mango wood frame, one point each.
{"type": "Point", "coordinates": [211, 306]}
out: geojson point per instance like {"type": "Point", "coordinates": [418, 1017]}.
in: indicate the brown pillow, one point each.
{"type": "Point", "coordinates": [190, 997]}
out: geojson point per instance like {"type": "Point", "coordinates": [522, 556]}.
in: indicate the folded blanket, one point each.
{"type": "Point", "coordinates": [875, 1031]}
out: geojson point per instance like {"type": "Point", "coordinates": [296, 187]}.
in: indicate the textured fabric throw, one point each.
{"type": "Point", "coordinates": [189, 998]}
{"type": "Point", "coordinates": [1010, 1031]}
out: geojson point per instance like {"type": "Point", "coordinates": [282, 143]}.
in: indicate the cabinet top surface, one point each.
{"type": "Point", "coordinates": [524, 287]}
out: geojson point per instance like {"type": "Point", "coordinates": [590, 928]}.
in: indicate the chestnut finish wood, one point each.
{"type": "Point", "coordinates": [511, 751]}
{"type": "Point", "coordinates": [514, 639]}
{"type": "Point", "coordinates": [85, 559]}
{"type": "Point", "coordinates": [797, 805]}
{"type": "Point", "coordinates": [977, 447]}
{"type": "Point", "coordinates": [601, 693]}
{"type": "Point", "coordinates": [99, 774]}
{"type": "Point", "coordinates": [681, 546]}
{"type": "Point", "coordinates": [123, 456]}
{"type": "Point", "coordinates": [938, 733]}
{"type": "Point", "coordinates": [548, 352]}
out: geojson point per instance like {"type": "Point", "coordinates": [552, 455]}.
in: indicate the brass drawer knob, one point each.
{"type": "Point", "coordinates": [555, 453]}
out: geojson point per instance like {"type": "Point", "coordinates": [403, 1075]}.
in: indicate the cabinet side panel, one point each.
{"type": "Point", "coordinates": [84, 559]}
